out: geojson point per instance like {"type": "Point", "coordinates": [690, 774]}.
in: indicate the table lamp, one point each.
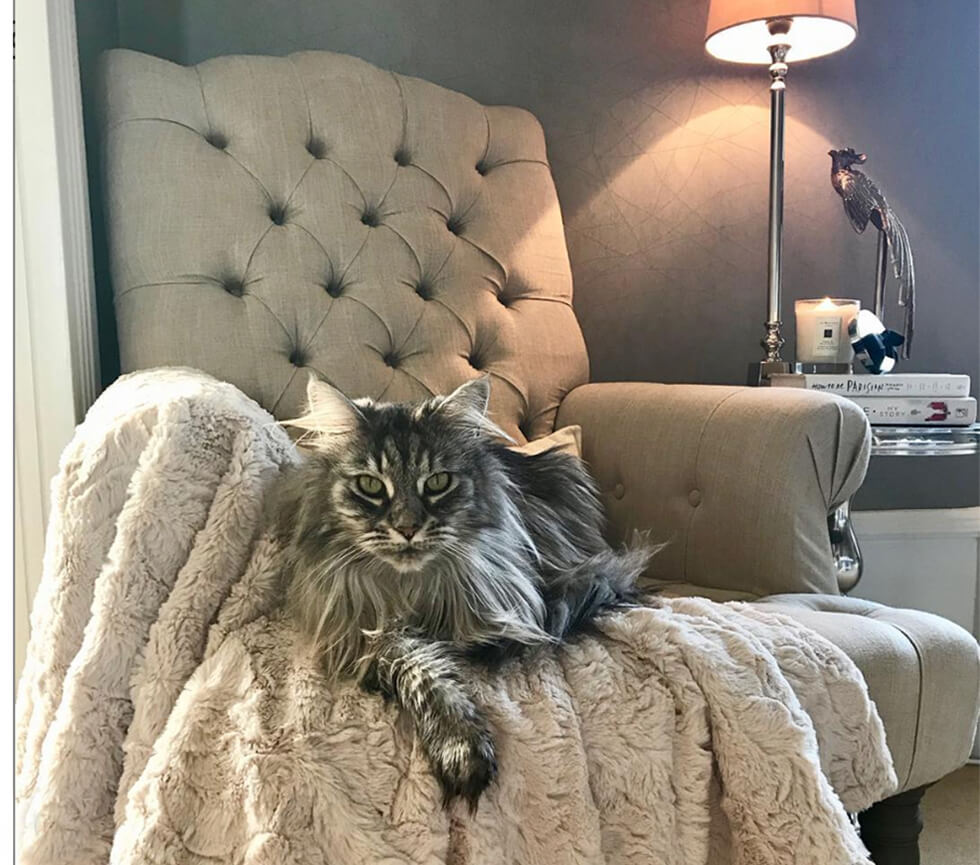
{"type": "Point", "coordinates": [776, 32]}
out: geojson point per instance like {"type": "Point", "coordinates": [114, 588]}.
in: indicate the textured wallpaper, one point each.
{"type": "Point", "coordinates": [660, 156]}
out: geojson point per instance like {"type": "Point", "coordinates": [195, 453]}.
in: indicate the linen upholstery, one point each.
{"type": "Point", "coordinates": [273, 215]}
{"type": "Point", "coordinates": [738, 481]}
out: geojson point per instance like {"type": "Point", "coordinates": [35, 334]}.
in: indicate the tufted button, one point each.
{"type": "Point", "coordinates": [482, 167]}
{"type": "Point", "coordinates": [391, 360]}
{"type": "Point", "coordinates": [504, 299]}
{"type": "Point", "coordinates": [334, 286]}
{"type": "Point", "coordinates": [475, 361]}
{"type": "Point", "coordinates": [619, 491]}
{"type": "Point", "coordinates": [233, 286]}
{"type": "Point", "coordinates": [277, 213]}
{"type": "Point", "coordinates": [454, 224]}
{"type": "Point", "coordinates": [694, 498]}
{"type": "Point", "coordinates": [297, 358]}
{"type": "Point", "coordinates": [423, 289]}
{"type": "Point", "coordinates": [402, 157]}
{"type": "Point", "coordinates": [317, 148]}
{"type": "Point", "coordinates": [216, 139]}
{"type": "Point", "coordinates": [371, 218]}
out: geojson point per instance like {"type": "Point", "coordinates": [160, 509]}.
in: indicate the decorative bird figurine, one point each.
{"type": "Point", "coordinates": [864, 202]}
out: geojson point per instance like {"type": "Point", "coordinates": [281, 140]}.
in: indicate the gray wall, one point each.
{"type": "Point", "coordinates": [660, 158]}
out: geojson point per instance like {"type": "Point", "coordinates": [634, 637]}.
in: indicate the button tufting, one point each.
{"type": "Point", "coordinates": [317, 148]}
{"type": "Point", "coordinates": [216, 139]}
{"type": "Point", "coordinates": [334, 287]}
{"type": "Point", "coordinates": [234, 286]}
{"type": "Point", "coordinates": [277, 213]}
{"type": "Point", "coordinates": [619, 491]}
{"type": "Point", "coordinates": [323, 248]}
{"type": "Point", "coordinates": [694, 498]}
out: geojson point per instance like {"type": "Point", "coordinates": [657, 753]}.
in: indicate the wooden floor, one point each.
{"type": "Point", "coordinates": [952, 820]}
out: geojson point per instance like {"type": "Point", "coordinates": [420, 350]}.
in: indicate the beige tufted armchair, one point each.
{"type": "Point", "coordinates": [270, 216]}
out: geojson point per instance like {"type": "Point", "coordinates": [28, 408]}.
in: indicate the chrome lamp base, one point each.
{"type": "Point", "coordinates": [760, 371]}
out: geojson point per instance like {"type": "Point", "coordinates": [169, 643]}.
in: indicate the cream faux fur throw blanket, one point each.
{"type": "Point", "coordinates": [169, 714]}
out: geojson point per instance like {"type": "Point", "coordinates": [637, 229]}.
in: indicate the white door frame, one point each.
{"type": "Point", "coordinates": [56, 334]}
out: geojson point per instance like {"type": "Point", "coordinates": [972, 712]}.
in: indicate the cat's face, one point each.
{"type": "Point", "coordinates": [407, 483]}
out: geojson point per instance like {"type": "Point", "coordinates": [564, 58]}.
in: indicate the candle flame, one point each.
{"type": "Point", "coordinates": [826, 304]}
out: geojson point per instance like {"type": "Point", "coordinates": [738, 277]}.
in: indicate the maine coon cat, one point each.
{"type": "Point", "coordinates": [417, 541]}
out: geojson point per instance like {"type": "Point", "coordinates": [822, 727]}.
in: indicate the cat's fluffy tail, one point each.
{"type": "Point", "coordinates": [602, 582]}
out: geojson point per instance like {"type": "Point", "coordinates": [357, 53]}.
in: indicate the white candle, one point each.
{"type": "Point", "coordinates": [821, 329]}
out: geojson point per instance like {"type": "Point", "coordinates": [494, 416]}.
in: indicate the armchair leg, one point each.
{"type": "Point", "coordinates": [890, 829]}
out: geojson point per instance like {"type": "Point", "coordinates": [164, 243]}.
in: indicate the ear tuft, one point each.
{"type": "Point", "coordinates": [471, 396]}
{"type": "Point", "coordinates": [467, 405]}
{"type": "Point", "coordinates": [329, 414]}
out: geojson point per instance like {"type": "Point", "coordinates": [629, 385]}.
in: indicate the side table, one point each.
{"type": "Point", "coordinates": [897, 441]}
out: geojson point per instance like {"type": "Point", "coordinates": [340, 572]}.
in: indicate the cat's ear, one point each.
{"type": "Point", "coordinates": [329, 415]}
{"type": "Point", "coordinates": [467, 407]}
{"type": "Point", "coordinates": [471, 396]}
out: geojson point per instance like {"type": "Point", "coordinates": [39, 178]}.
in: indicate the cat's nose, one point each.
{"type": "Point", "coordinates": [407, 532]}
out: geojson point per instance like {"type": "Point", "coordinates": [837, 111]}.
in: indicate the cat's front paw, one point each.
{"type": "Point", "coordinates": [464, 764]}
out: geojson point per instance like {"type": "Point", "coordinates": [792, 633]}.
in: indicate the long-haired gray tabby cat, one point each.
{"type": "Point", "coordinates": [417, 540]}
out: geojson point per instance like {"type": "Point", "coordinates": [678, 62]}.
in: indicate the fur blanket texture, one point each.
{"type": "Point", "coordinates": [169, 713]}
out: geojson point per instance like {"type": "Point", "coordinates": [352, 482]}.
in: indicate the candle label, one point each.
{"type": "Point", "coordinates": [827, 332]}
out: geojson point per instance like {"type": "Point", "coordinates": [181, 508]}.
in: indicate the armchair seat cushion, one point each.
{"type": "Point", "coordinates": [923, 672]}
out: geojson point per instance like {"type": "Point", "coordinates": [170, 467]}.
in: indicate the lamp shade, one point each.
{"type": "Point", "coordinates": [737, 29]}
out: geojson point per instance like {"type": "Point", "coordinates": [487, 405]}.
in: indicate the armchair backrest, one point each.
{"type": "Point", "coordinates": [269, 217]}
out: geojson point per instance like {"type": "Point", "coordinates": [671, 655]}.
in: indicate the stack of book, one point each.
{"type": "Point", "coordinates": [904, 399]}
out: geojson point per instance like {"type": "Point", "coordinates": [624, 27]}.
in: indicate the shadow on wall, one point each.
{"type": "Point", "coordinates": [672, 193]}
{"type": "Point", "coordinates": [670, 188]}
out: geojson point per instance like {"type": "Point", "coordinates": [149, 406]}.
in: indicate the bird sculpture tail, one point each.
{"type": "Point", "coordinates": [904, 267]}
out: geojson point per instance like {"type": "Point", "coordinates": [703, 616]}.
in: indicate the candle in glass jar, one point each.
{"type": "Point", "coordinates": [821, 329]}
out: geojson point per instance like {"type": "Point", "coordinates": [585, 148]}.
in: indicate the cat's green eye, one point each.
{"type": "Point", "coordinates": [370, 485]}
{"type": "Point", "coordinates": [437, 483]}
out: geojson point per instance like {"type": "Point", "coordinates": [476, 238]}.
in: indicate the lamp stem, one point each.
{"type": "Point", "coordinates": [773, 340]}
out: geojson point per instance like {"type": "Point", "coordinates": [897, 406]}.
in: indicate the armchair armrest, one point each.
{"type": "Point", "coordinates": [739, 481]}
